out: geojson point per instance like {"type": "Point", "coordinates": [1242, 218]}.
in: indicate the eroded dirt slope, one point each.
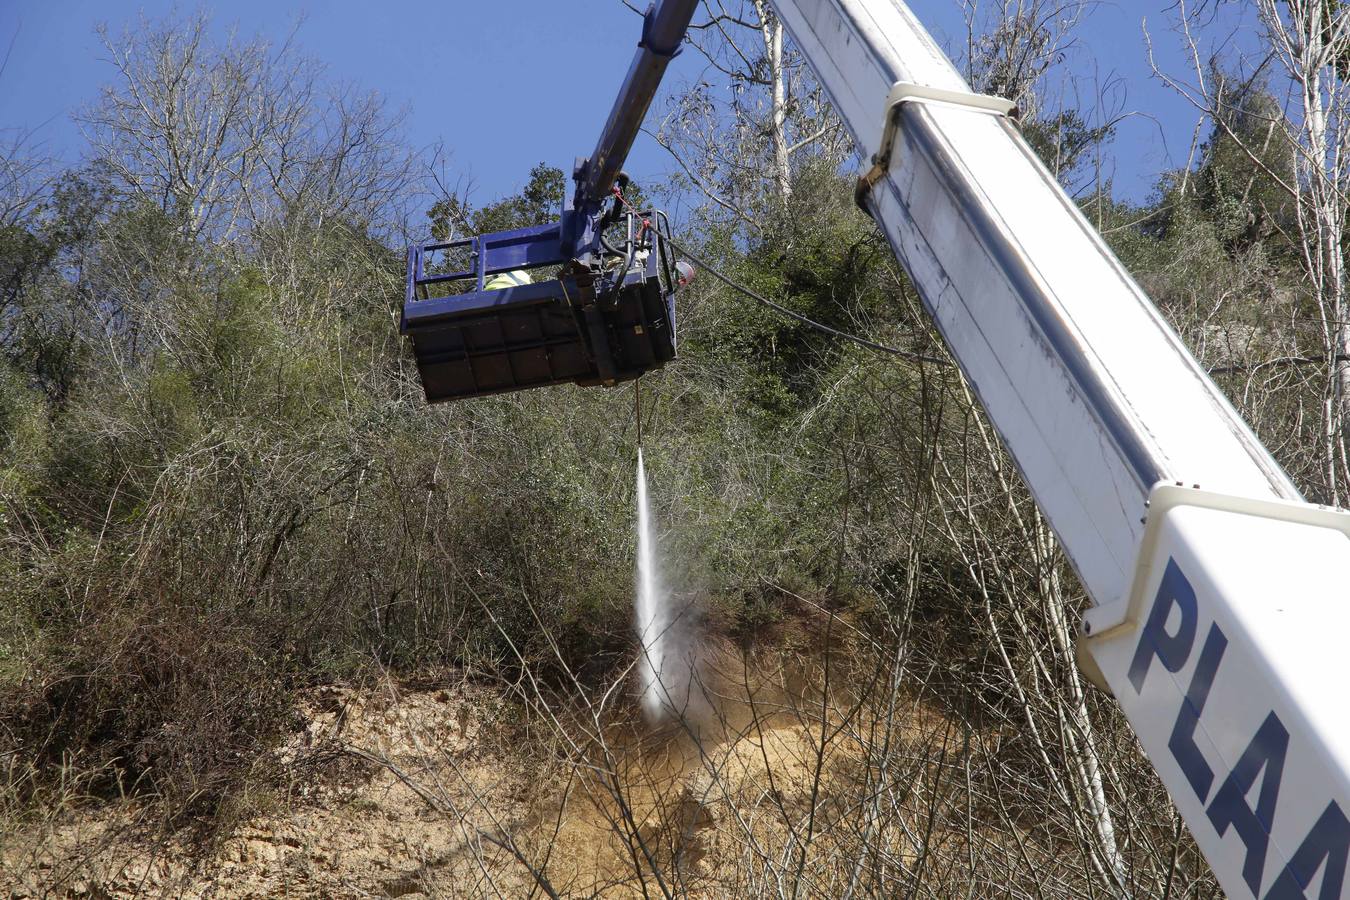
{"type": "Point", "coordinates": [442, 791]}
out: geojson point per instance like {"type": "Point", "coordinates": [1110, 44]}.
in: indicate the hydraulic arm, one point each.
{"type": "Point", "coordinates": [663, 29]}
{"type": "Point", "coordinates": [603, 310]}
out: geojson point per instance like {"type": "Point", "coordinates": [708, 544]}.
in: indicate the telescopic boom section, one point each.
{"type": "Point", "coordinates": [663, 28]}
{"type": "Point", "coordinates": [1220, 614]}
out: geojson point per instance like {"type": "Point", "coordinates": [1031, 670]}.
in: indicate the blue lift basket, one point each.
{"type": "Point", "coordinates": [605, 318]}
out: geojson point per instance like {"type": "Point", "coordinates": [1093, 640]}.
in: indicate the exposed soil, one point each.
{"type": "Point", "coordinates": [430, 793]}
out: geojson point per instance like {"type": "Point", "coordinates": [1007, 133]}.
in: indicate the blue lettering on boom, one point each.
{"type": "Point", "coordinates": [1329, 841]}
{"type": "Point", "coordinates": [1182, 741]}
{"type": "Point", "coordinates": [1154, 640]}
{"type": "Point", "coordinates": [1266, 752]}
{"type": "Point", "coordinates": [1326, 848]}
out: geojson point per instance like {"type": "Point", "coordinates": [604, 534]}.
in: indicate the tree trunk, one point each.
{"type": "Point", "coordinates": [771, 28]}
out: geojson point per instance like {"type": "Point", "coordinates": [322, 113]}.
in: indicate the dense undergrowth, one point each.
{"type": "Point", "coordinates": [219, 481]}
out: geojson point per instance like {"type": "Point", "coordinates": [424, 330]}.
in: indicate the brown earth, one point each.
{"type": "Point", "coordinates": [451, 791]}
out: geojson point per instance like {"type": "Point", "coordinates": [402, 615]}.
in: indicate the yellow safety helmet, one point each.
{"type": "Point", "coordinates": [511, 279]}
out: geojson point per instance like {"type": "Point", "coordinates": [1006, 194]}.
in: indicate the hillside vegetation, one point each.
{"type": "Point", "coordinates": [222, 495]}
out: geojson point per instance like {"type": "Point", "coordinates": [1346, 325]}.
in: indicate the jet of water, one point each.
{"type": "Point", "coordinates": [652, 611]}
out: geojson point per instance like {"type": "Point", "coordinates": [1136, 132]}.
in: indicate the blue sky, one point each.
{"type": "Point", "coordinates": [509, 83]}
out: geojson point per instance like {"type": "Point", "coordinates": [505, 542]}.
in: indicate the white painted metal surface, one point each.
{"type": "Point", "coordinates": [1098, 401]}
{"type": "Point", "coordinates": [908, 92]}
{"type": "Point", "coordinates": [1091, 391]}
{"type": "Point", "coordinates": [1230, 664]}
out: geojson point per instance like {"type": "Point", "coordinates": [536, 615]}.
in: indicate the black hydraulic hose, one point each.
{"type": "Point", "coordinates": [783, 310]}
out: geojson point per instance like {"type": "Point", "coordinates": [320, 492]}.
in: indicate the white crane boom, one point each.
{"type": "Point", "coordinates": [1219, 594]}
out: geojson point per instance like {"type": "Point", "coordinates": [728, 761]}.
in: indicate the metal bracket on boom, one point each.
{"type": "Point", "coordinates": [1127, 610]}
{"type": "Point", "coordinates": [903, 92]}
{"type": "Point", "coordinates": [646, 42]}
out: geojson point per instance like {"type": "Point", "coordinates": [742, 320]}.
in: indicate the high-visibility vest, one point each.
{"type": "Point", "coordinates": [506, 280]}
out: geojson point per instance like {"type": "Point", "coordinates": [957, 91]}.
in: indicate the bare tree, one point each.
{"type": "Point", "coordinates": [1012, 45]}
{"type": "Point", "coordinates": [739, 132]}
{"type": "Point", "coordinates": [221, 137]}
{"type": "Point", "coordinates": [25, 180]}
{"type": "Point", "coordinates": [25, 176]}
{"type": "Point", "coordinates": [771, 31]}
{"type": "Point", "coordinates": [1311, 39]}
{"type": "Point", "coordinates": [189, 129]}
{"type": "Point", "coordinates": [1308, 43]}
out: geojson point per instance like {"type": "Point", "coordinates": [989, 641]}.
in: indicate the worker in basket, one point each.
{"type": "Point", "coordinates": [514, 278]}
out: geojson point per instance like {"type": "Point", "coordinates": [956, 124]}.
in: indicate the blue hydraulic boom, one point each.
{"type": "Point", "coordinates": [481, 324]}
